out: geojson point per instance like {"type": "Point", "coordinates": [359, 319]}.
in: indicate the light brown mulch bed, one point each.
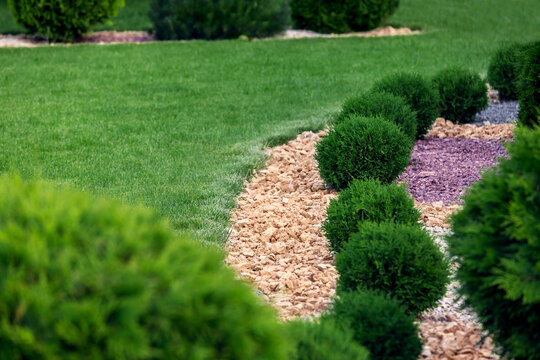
{"type": "Point", "coordinates": [383, 31]}
{"type": "Point", "coordinates": [436, 214]}
{"type": "Point", "coordinates": [444, 129]}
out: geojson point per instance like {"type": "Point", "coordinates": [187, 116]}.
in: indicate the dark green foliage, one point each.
{"type": "Point", "coordinates": [418, 93]}
{"type": "Point", "coordinates": [62, 20]}
{"type": "Point", "coordinates": [503, 71]}
{"type": "Point", "coordinates": [218, 19]}
{"type": "Point", "coordinates": [462, 94]}
{"type": "Point", "coordinates": [529, 86]}
{"type": "Point", "coordinates": [378, 104]}
{"type": "Point", "coordinates": [380, 324]}
{"type": "Point", "coordinates": [341, 16]}
{"type": "Point", "coordinates": [323, 340]}
{"type": "Point", "coordinates": [398, 259]}
{"type": "Point", "coordinates": [363, 148]}
{"type": "Point", "coordinates": [367, 201]}
{"type": "Point", "coordinates": [86, 278]}
{"type": "Point", "coordinates": [496, 238]}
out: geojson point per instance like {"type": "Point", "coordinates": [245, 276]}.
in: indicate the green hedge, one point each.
{"type": "Point", "coordinates": [529, 86]}
{"type": "Point", "coordinates": [503, 71]}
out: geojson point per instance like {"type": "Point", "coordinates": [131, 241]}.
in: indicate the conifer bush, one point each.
{"type": "Point", "coordinates": [419, 95]}
{"type": "Point", "coordinates": [218, 19]}
{"type": "Point", "coordinates": [529, 86]}
{"type": "Point", "coordinates": [496, 241]}
{"type": "Point", "coordinates": [379, 104]}
{"type": "Point", "coordinates": [503, 71]}
{"type": "Point", "coordinates": [363, 148]}
{"type": "Point", "coordinates": [62, 20]}
{"type": "Point", "coordinates": [462, 94]}
{"type": "Point", "coordinates": [398, 259]}
{"type": "Point", "coordinates": [323, 340]}
{"type": "Point", "coordinates": [380, 324]}
{"type": "Point", "coordinates": [86, 278]}
{"type": "Point", "coordinates": [367, 201]}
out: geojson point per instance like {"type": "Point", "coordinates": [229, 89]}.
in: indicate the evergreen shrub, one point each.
{"type": "Point", "coordinates": [529, 86]}
{"type": "Point", "coordinates": [503, 71]}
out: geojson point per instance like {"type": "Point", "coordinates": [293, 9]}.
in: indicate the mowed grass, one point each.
{"type": "Point", "coordinates": [180, 126]}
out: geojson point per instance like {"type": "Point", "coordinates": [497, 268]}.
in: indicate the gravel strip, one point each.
{"type": "Point", "coordinates": [498, 113]}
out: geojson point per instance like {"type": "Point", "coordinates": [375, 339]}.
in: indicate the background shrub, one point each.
{"type": "Point", "coordinates": [529, 86]}
{"type": "Point", "coordinates": [367, 201]}
{"type": "Point", "coordinates": [341, 16]}
{"type": "Point", "coordinates": [323, 340]}
{"type": "Point", "coordinates": [503, 71]}
{"type": "Point", "coordinates": [378, 104]}
{"type": "Point", "coordinates": [462, 94]}
{"type": "Point", "coordinates": [398, 259]}
{"type": "Point", "coordinates": [496, 238]}
{"type": "Point", "coordinates": [363, 148]}
{"type": "Point", "coordinates": [418, 93]}
{"type": "Point", "coordinates": [89, 278]}
{"type": "Point", "coordinates": [218, 19]}
{"type": "Point", "coordinates": [380, 324]}
{"type": "Point", "coordinates": [62, 20]}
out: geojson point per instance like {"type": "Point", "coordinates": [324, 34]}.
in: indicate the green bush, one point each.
{"type": "Point", "coordinates": [496, 239]}
{"type": "Point", "coordinates": [398, 259]}
{"type": "Point", "coordinates": [323, 340]}
{"type": "Point", "coordinates": [380, 324]}
{"type": "Point", "coordinates": [341, 16]}
{"type": "Point", "coordinates": [503, 71]}
{"type": "Point", "coordinates": [367, 201]}
{"type": "Point", "coordinates": [418, 93]}
{"type": "Point", "coordinates": [529, 86]}
{"type": "Point", "coordinates": [86, 278]}
{"type": "Point", "coordinates": [462, 94]}
{"type": "Point", "coordinates": [218, 19]}
{"type": "Point", "coordinates": [62, 20]}
{"type": "Point", "coordinates": [387, 106]}
{"type": "Point", "coordinates": [363, 148]}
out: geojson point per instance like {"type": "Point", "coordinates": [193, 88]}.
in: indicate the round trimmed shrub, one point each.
{"type": "Point", "coordinates": [324, 340]}
{"type": "Point", "coordinates": [503, 71]}
{"type": "Point", "coordinates": [398, 259]}
{"type": "Point", "coordinates": [62, 20]}
{"type": "Point", "coordinates": [367, 201]}
{"type": "Point", "coordinates": [419, 95]}
{"type": "Point", "coordinates": [529, 86]}
{"type": "Point", "coordinates": [496, 241]}
{"type": "Point", "coordinates": [90, 278]}
{"type": "Point", "coordinates": [363, 148]}
{"type": "Point", "coordinates": [462, 94]}
{"type": "Point", "coordinates": [380, 324]}
{"type": "Point", "coordinates": [378, 104]}
{"type": "Point", "coordinates": [218, 19]}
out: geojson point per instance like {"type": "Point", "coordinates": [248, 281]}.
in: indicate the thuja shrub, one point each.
{"type": "Point", "coordinates": [503, 71]}
{"type": "Point", "coordinates": [496, 241]}
{"type": "Point", "coordinates": [529, 86]}
{"type": "Point", "coordinates": [398, 259]}
{"type": "Point", "coordinates": [419, 95]}
{"type": "Point", "coordinates": [367, 201]}
{"type": "Point", "coordinates": [341, 16]}
{"type": "Point", "coordinates": [62, 20]}
{"type": "Point", "coordinates": [218, 19]}
{"type": "Point", "coordinates": [462, 94]}
{"type": "Point", "coordinates": [380, 104]}
{"type": "Point", "coordinates": [322, 340]}
{"type": "Point", "coordinates": [90, 278]}
{"type": "Point", "coordinates": [380, 324]}
{"type": "Point", "coordinates": [363, 148]}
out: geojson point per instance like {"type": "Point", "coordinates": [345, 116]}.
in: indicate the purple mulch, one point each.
{"type": "Point", "coordinates": [441, 169]}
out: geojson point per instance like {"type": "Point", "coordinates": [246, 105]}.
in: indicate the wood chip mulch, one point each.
{"type": "Point", "coordinates": [445, 129]}
{"type": "Point", "coordinates": [436, 213]}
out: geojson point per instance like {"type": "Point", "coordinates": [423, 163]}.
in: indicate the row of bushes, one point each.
{"type": "Point", "coordinates": [66, 20]}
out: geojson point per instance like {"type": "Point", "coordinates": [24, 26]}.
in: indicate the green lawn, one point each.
{"type": "Point", "coordinates": [179, 126]}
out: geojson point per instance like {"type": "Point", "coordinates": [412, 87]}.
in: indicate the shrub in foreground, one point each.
{"type": "Point", "coordinates": [418, 93]}
{"type": "Point", "coordinates": [62, 20]}
{"type": "Point", "coordinates": [367, 201]}
{"type": "Point", "coordinates": [503, 71]}
{"type": "Point", "coordinates": [380, 324]}
{"type": "Point", "coordinates": [398, 259]}
{"type": "Point", "coordinates": [218, 19]}
{"type": "Point", "coordinates": [363, 148]}
{"type": "Point", "coordinates": [462, 94]}
{"type": "Point", "coordinates": [379, 104]}
{"type": "Point", "coordinates": [529, 86]}
{"type": "Point", "coordinates": [341, 16]}
{"type": "Point", "coordinates": [496, 239]}
{"type": "Point", "coordinates": [323, 340]}
{"type": "Point", "coordinates": [89, 278]}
